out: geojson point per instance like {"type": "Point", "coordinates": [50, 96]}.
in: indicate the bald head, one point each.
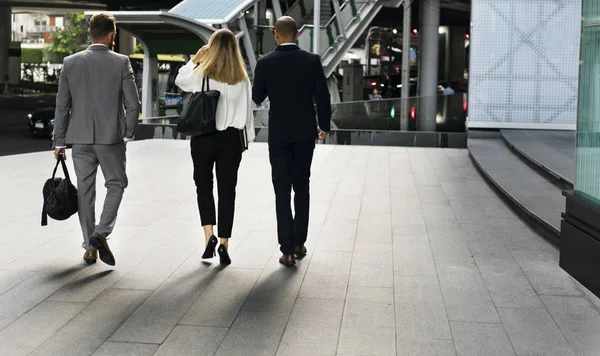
{"type": "Point", "coordinates": [285, 30]}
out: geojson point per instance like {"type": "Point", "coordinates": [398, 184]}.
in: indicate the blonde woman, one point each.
{"type": "Point", "coordinates": [221, 63]}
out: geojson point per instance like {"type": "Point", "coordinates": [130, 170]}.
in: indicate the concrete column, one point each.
{"type": "Point", "coordinates": [317, 27]}
{"type": "Point", "coordinates": [5, 37]}
{"type": "Point", "coordinates": [430, 23]}
{"type": "Point", "coordinates": [126, 42]}
{"type": "Point", "coordinates": [150, 86]}
{"type": "Point", "coordinates": [406, 32]}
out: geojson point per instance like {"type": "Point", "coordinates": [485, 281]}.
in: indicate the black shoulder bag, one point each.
{"type": "Point", "coordinates": [199, 111]}
{"type": "Point", "coordinates": [60, 196]}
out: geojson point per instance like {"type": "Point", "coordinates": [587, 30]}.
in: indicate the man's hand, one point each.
{"type": "Point", "coordinates": [60, 152]}
{"type": "Point", "coordinates": [322, 135]}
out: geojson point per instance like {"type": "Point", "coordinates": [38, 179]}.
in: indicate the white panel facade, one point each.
{"type": "Point", "coordinates": [524, 64]}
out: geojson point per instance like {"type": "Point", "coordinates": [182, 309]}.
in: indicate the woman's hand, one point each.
{"type": "Point", "coordinates": [200, 54]}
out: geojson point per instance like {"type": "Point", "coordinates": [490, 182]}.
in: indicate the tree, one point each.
{"type": "Point", "coordinates": [72, 38]}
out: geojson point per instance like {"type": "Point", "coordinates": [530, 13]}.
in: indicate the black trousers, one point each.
{"type": "Point", "coordinates": [223, 149]}
{"type": "Point", "coordinates": [290, 167]}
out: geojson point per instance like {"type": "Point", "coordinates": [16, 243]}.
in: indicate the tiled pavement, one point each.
{"type": "Point", "coordinates": [410, 253]}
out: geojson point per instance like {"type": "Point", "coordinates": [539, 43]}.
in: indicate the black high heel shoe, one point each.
{"type": "Point", "coordinates": [209, 252]}
{"type": "Point", "coordinates": [224, 255]}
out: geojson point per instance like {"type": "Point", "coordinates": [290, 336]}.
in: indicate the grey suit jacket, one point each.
{"type": "Point", "coordinates": [94, 89]}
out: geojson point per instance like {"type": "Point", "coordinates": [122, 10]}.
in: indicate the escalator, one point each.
{"type": "Point", "coordinates": [336, 34]}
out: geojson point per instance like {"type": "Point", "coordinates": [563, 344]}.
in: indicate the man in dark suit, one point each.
{"type": "Point", "coordinates": [293, 80]}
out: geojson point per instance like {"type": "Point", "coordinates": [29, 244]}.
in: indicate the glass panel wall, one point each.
{"type": "Point", "coordinates": [588, 121]}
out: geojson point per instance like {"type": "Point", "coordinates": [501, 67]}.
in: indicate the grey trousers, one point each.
{"type": "Point", "coordinates": [111, 159]}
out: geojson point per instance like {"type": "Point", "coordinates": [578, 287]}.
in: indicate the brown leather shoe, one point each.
{"type": "Point", "coordinates": [300, 252]}
{"type": "Point", "coordinates": [90, 256]}
{"type": "Point", "coordinates": [287, 260]}
{"type": "Point", "coordinates": [99, 242]}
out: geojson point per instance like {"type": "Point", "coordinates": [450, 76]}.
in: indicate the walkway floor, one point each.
{"type": "Point", "coordinates": [410, 253]}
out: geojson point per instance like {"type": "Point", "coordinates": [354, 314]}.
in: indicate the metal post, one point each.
{"type": "Point", "coordinates": [429, 63]}
{"type": "Point", "coordinates": [257, 14]}
{"type": "Point", "coordinates": [406, 34]}
{"type": "Point", "coordinates": [338, 17]}
{"type": "Point", "coordinates": [247, 42]}
{"type": "Point", "coordinates": [5, 34]}
{"type": "Point", "coordinates": [317, 27]}
{"type": "Point", "coordinates": [277, 9]}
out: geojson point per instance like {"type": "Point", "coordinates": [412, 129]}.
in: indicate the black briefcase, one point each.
{"type": "Point", "coordinates": [60, 196]}
{"type": "Point", "coordinates": [199, 111]}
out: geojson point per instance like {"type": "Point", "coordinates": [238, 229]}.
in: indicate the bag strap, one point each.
{"type": "Point", "coordinates": [56, 166]}
{"type": "Point", "coordinates": [207, 81]}
{"type": "Point", "coordinates": [64, 168]}
{"type": "Point", "coordinates": [44, 215]}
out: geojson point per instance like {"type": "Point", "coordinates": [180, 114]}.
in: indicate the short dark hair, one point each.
{"type": "Point", "coordinates": [101, 25]}
{"type": "Point", "coordinates": [286, 26]}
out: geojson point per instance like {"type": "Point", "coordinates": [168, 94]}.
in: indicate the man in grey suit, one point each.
{"type": "Point", "coordinates": [94, 89]}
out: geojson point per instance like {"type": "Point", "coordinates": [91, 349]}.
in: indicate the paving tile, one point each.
{"type": "Point", "coordinates": [327, 275]}
{"type": "Point", "coordinates": [481, 339]}
{"type": "Point", "coordinates": [374, 229]}
{"type": "Point", "coordinates": [469, 212]}
{"type": "Point", "coordinates": [262, 245]}
{"type": "Point", "coordinates": [432, 195]}
{"type": "Point", "coordinates": [254, 333]}
{"type": "Point", "coordinates": [466, 296]}
{"type": "Point", "coordinates": [96, 279]}
{"type": "Point", "coordinates": [192, 340]}
{"type": "Point", "coordinates": [420, 309]}
{"type": "Point", "coordinates": [219, 304]}
{"type": "Point", "coordinates": [102, 317]}
{"type": "Point", "coordinates": [450, 249]}
{"type": "Point", "coordinates": [9, 279]}
{"type": "Point", "coordinates": [533, 332]}
{"type": "Point", "coordinates": [157, 316]}
{"type": "Point", "coordinates": [37, 288]}
{"type": "Point", "coordinates": [313, 328]}
{"type": "Point", "coordinates": [544, 273]}
{"type": "Point", "coordinates": [29, 331]}
{"type": "Point", "coordinates": [413, 257]}
{"type": "Point", "coordinates": [438, 213]}
{"type": "Point", "coordinates": [368, 323]}
{"type": "Point", "coordinates": [425, 347]}
{"type": "Point", "coordinates": [372, 267]}
{"type": "Point", "coordinates": [508, 286]}
{"type": "Point", "coordinates": [484, 242]}
{"type": "Point", "coordinates": [155, 268]}
{"type": "Point", "coordinates": [579, 321]}
{"type": "Point", "coordinates": [277, 288]}
{"type": "Point", "coordinates": [337, 235]}
{"type": "Point", "coordinates": [125, 349]}
{"type": "Point", "coordinates": [14, 249]}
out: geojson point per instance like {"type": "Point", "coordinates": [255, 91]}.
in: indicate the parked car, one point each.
{"type": "Point", "coordinates": [41, 122]}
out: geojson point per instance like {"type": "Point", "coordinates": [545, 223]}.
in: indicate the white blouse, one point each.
{"type": "Point", "coordinates": [235, 102]}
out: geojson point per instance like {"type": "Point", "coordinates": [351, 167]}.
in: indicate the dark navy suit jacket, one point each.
{"type": "Point", "coordinates": [294, 81]}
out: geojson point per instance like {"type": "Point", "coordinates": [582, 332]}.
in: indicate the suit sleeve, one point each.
{"type": "Point", "coordinates": [132, 100]}
{"type": "Point", "coordinates": [62, 113]}
{"type": "Point", "coordinates": [322, 98]}
{"type": "Point", "coordinates": [259, 89]}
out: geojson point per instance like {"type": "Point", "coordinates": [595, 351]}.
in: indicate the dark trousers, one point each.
{"type": "Point", "coordinates": [290, 167]}
{"type": "Point", "coordinates": [223, 149]}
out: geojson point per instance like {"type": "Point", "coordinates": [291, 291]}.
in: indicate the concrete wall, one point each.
{"type": "Point", "coordinates": [524, 64]}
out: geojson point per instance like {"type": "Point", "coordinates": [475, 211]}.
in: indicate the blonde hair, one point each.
{"type": "Point", "coordinates": [223, 61]}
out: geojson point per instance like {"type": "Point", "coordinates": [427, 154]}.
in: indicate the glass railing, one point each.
{"type": "Point", "coordinates": [425, 114]}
